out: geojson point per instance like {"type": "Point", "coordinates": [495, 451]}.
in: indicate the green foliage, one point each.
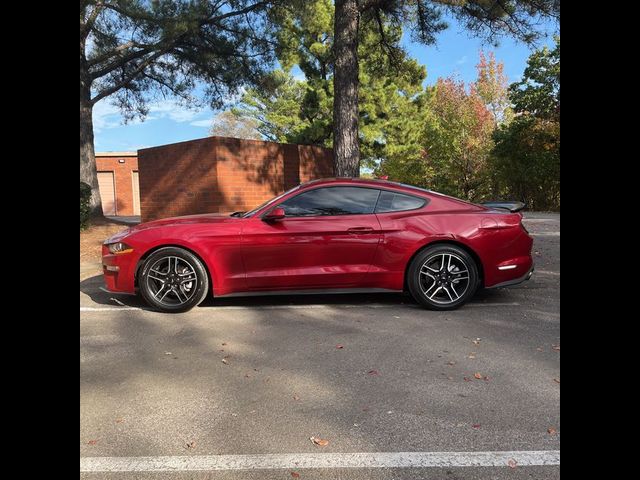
{"type": "Point", "coordinates": [301, 110]}
{"type": "Point", "coordinates": [454, 143]}
{"type": "Point", "coordinates": [526, 160]}
{"type": "Point", "coordinates": [85, 204]}
{"type": "Point", "coordinates": [538, 93]}
{"type": "Point", "coordinates": [134, 51]}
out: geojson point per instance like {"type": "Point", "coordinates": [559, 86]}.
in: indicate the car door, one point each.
{"type": "Point", "coordinates": [327, 239]}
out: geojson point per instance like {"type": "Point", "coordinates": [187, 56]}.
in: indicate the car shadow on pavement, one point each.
{"type": "Point", "coordinates": [93, 287]}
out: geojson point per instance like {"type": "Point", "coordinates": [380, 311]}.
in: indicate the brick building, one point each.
{"type": "Point", "coordinates": [219, 174]}
{"type": "Point", "coordinates": [118, 182]}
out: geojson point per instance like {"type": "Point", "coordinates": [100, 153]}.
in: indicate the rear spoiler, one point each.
{"type": "Point", "coordinates": [513, 207]}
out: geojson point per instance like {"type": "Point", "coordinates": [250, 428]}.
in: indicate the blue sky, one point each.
{"type": "Point", "coordinates": [455, 54]}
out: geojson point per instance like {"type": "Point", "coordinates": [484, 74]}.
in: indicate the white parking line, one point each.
{"type": "Point", "coordinates": [291, 307]}
{"type": "Point", "coordinates": [320, 460]}
{"type": "Point", "coordinates": [107, 309]}
{"type": "Point", "coordinates": [546, 272]}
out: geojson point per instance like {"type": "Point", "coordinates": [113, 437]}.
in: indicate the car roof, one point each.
{"type": "Point", "coordinates": [370, 182]}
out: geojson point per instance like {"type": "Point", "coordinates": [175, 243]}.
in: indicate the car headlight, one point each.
{"type": "Point", "coordinates": [119, 247]}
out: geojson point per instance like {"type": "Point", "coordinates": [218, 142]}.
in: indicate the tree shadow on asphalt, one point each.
{"type": "Point", "coordinates": [167, 369]}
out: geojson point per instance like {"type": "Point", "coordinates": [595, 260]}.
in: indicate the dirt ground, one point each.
{"type": "Point", "coordinates": [91, 239]}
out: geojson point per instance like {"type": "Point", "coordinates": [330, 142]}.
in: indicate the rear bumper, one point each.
{"type": "Point", "coordinates": [515, 281]}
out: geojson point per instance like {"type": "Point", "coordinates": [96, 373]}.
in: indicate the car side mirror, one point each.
{"type": "Point", "coordinates": [275, 214]}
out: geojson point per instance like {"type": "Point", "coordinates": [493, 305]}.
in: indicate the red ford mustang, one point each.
{"type": "Point", "coordinates": [338, 234]}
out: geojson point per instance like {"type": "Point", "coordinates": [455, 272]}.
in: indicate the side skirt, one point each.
{"type": "Point", "coordinates": [310, 291]}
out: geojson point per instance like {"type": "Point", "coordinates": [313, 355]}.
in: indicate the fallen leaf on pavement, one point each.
{"type": "Point", "coordinates": [373, 372]}
{"type": "Point", "coordinates": [472, 356]}
{"type": "Point", "coordinates": [512, 463]}
{"type": "Point", "coordinates": [556, 347]}
{"type": "Point", "coordinates": [295, 474]}
{"type": "Point", "coordinates": [339, 346]}
{"type": "Point", "coordinates": [557, 380]}
{"type": "Point", "coordinates": [451, 363]}
{"type": "Point", "coordinates": [225, 361]}
{"type": "Point", "coordinates": [191, 445]}
{"type": "Point", "coordinates": [119, 420]}
{"type": "Point", "coordinates": [466, 379]}
{"type": "Point", "coordinates": [475, 425]}
{"type": "Point", "coordinates": [319, 441]}
{"type": "Point", "coordinates": [92, 442]}
{"type": "Point", "coordinates": [539, 349]}
{"type": "Point", "coordinates": [476, 341]}
{"type": "Point", "coordinates": [477, 375]}
{"type": "Point", "coordinates": [296, 397]}
{"type": "Point", "coordinates": [224, 344]}
{"type": "Point", "coordinates": [168, 353]}
{"type": "Point", "coordinates": [551, 431]}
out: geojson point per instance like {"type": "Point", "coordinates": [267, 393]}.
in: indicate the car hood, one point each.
{"type": "Point", "coordinates": [205, 218]}
{"type": "Point", "coordinates": [187, 219]}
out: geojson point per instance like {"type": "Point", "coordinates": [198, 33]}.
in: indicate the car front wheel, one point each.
{"type": "Point", "coordinates": [173, 280]}
{"type": "Point", "coordinates": [442, 277]}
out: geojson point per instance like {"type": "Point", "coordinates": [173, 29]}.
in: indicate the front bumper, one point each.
{"type": "Point", "coordinates": [515, 281]}
{"type": "Point", "coordinates": [119, 271]}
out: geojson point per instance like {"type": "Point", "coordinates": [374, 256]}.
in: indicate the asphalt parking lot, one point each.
{"type": "Point", "coordinates": [372, 374]}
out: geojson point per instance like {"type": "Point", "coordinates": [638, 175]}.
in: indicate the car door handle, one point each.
{"type": "Point", "coordinates": [356, 230]}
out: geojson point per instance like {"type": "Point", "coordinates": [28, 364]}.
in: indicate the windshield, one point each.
{"type": "Point", "coordinates": [250, 213]}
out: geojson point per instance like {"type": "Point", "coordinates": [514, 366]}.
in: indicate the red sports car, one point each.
{"type": "Point", "coordinates": [338, 235]}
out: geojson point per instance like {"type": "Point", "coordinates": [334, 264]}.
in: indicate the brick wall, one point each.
{"type": "Point", "coordinates": [218, 174]}
{"type": "Point", "coordinates": [122, 165]}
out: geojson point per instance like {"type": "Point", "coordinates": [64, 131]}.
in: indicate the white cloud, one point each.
{"type": "Point", "coordinates": [202, 123]}
{"type": "Point", "coordinates": [462, 60]}
{"type": "Point", "coordinates": [106, 115]}
{"type": "Point", "coordinates": [172, 110]}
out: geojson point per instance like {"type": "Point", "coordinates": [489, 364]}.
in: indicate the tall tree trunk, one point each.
{"type": "Point", "coordinates": [346, 146]}
{"type": "Point", "coordinates": [87, 154]}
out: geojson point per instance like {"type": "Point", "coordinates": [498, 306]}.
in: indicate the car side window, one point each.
{"type": "Point", "coordinates": [398, 202]}
{"type": "Point", "coordinates": [332, 201]}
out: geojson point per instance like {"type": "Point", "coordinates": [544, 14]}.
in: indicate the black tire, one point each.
{"type": "Point", "coordinates": [173, 280]}
{"type": "Point", "coordinates": [454, 290]}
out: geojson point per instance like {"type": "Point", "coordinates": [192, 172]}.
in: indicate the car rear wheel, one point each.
{"type": "Point", "coordinates": [173, 280]}
{"type": "Point", "coordinates": [442, 277]}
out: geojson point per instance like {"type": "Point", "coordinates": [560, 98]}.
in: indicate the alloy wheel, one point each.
{"type": "Point", "coordinates": [444, 278]}
{"type": "Point", "coordinates": [172, 281]}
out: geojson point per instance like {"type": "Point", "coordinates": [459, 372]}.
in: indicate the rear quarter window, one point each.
{"type": "Point", "coordinates": [398, 202]}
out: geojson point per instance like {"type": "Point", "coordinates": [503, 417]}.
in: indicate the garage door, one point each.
{"type": "Point", "coordinates": [136, 193]}
{"type": "Point", "coordinates": [107, 188]}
